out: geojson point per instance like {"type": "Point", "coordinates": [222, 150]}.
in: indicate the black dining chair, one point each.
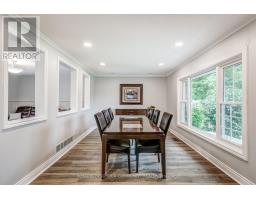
{"type": "Point", "coordinates": [152, 146]}
{"type": "Point", "coordinates": [106, 116]}
{"type": "Point", "coordinates": [111, 113]}
{"type": "Point", "coordinates": [150, 113]}
{"type": "Point", "coordinates": [113, 146]}
{"type": "Point", "coordinates": [155, 116]}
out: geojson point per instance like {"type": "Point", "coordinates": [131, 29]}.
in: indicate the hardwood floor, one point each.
{"type": "Point", "coordinates": [81, 165]}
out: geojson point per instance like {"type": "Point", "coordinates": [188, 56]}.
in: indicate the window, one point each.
{"type": "Point", "coordinates": [212, 106]}
{"type": "Point", "coordinates": [203, 102]}
{"type": "Point", "coordinates": [231, 107]}
{"type": "Point", "coordinates": [184, 102]}
{"type": "Point", "coordinates": [25, 91]}
{"type": "Point", "coordinates": [67, 101]}
{"type": "Point", "coordinates": [85, 91]}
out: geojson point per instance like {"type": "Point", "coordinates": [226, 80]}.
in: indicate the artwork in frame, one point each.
{"type": "Point", "coordinates": [131, 94]}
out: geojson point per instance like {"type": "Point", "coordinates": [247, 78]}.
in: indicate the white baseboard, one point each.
{"type": "Point", "coordinates": [31, 176]}
{"type": "Point", "coordinates": [219, 164]}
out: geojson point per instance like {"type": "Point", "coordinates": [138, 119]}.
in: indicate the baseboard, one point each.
{"type": "Point", "coordinates": [30, 177]}
{"type": "Point", "coordinates": [219, 164]}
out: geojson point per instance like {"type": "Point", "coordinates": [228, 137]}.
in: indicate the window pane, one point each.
{"type": "Point", "coordinates": [232, 122]}
{"type": "Point", "coordinates": [231, 113]}
{"type": "Point", "coordinates": [21, 89]}
{"type": "Point", "coordinates": [203, 91]}
{"type": "Point", "coordinates": [184, 90]}
{"type": "Point", "coordinates": [183, 113]}
{"type": "Point", "coordinates": [233, 83]}
{"type": "Point", "coordinates": [65, 81]}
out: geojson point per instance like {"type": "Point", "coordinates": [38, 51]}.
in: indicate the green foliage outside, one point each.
{"type": "Point", "coordinates": [203, 99]}
{"type": "Point", "coordinates": [203, 90]}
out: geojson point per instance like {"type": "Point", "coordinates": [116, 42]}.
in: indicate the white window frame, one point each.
{"type": "Point", "coordinates": [87, 91]}
{"type": "Point", "coordinates": [239, 150]}
{"type": "Point", "coordinates": [186, 101]}
{"type": "Point", "coordinates": [40, 98]}
{"type": "Point", "coordinates": [74, 93]}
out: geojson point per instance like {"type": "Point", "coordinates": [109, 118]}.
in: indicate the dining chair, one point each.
{"type": "Point", "coordinates": [150, 114]}
{"type": "Point", "coordinates": [155, 116]}
{"type": "Point", "coordinates": [111, 113]}
{"type": "Point", "coordinates": [106, 116]}
{"type": "Point", "coordinates": [152, 146]}
{"type": "Point", "coordinates": [113, 146]}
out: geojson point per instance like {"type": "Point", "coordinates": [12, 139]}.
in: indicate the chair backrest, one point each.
{"type": "Point", "coordinates": [106, 115]}
{"type": "Point", "coordinates": [101, 122]}
{"type": "Point", "coordinates": [165, 122]}
{"type": "Point", "coordinates": [111, 113]}
{"type": "Point", "coordinates": [150, 114]}
{"type": "Point", "coordinates": [147, 112]}
{"type": "Point", "coordinates": [155, 116]}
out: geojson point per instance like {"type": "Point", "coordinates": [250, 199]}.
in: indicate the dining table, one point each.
{"type": "Point", "coordinates": [132, 127]}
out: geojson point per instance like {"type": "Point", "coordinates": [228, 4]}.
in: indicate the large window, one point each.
{"type": "Point", "coordinates": [67, 101]}
{"type": "Point", "coordinates": [25, 91]}
{"type": "Point", "coordinates": [211, 105]}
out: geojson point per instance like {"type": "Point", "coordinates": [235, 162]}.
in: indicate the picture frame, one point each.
{"type": "Point", "coordinates": [131, 94]}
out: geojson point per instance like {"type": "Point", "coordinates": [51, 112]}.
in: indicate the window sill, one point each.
{"type": "Point", "coordinates": [85, 109]}
{"type": "Point", "coordinates": [65, 113]}
{"type": "Point", "coordinates": [221, 143]}
{"type": "Point", "coordinates": [23, 122]}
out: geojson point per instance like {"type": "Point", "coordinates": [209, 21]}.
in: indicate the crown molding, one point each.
{"type": "Point", "coordinates": [130, 75]}
{"type": "Point", "coordinates": [211, 46]}
{"type": "Point", "coordinates": [66, 54]}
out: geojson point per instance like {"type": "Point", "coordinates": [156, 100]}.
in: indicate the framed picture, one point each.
{"type": "Point", "coordinates": [131, 94]}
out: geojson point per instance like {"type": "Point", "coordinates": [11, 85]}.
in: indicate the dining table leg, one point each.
{"type": "Point", "coordinates": [103, 156]}
{"type": "Point", "coordinates": [163, 161]}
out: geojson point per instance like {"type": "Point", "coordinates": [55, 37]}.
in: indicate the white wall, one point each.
{"type": "Point", "coordinates": [24, 148]}
{"type": "Point", "coordinates": [235, 43]}
{"type": "Point", "coordinates": [107, 89]}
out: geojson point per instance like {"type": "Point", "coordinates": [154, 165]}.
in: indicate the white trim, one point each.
{"type": "Point", "coordinates": [223, 144]}
{"type": "Point", "coordinates": [65, 113]}
{"type": "Point", "coordinates": [211, 46]}
{"type": "Point", "coordinates": [64, 53]}
{"type": "Point", "coordinates": [44, 115]}
{"type": "Point", "coordinates": [219, 164]}
{"type": "Point", "coordinates": [240, 151]}
{"type": "Point", "coordinates": [86, 92]}
{"type": "Point", "coordinates": [74, 94]}
{"type": "Point", "coordinates": [130, 75]}
{"type": "Point", "coordinates": [31, 176]}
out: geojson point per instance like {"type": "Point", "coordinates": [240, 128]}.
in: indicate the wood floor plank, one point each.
{"type": "Point", "coordinates": [82, 165]}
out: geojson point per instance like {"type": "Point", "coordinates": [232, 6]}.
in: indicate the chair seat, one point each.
{"type": "Point", "coordinates": [148, 146]}
{"type": "Point", "coordinates": [118, 145]}
{"type": "Point", "coordinates": [148, 142]}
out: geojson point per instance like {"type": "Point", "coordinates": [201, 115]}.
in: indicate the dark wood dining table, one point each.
{"type": "Point", "coordinates": [132, 127]}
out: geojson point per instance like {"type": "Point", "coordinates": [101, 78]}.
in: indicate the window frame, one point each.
{"type": "Point", "coordinates": [239, 150]}
{"type": "Point", "coordinates": [87, 91]}
{"type": "Point", "coordinates": [43, 96]}
{"type": "Point", "coordinates": [74, 93]}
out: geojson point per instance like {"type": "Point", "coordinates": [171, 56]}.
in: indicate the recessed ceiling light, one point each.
{"type": "Point", "coordinates": [102, 64]}
{"type": "Point", "coordinates": [88, 44]}
{"type": "Point", "coordinates": [179, 44]}
{"type": "Point", "coordinates": [15, 70]}
{"type": "Point", "coordinates": [161, 64]}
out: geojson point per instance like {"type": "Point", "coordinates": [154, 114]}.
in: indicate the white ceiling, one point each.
{"type": "Point", "coordinates": [136, 44]}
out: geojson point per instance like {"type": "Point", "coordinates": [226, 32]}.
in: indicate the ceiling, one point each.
{"type": "Point", "coordinates": [134, 45]}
